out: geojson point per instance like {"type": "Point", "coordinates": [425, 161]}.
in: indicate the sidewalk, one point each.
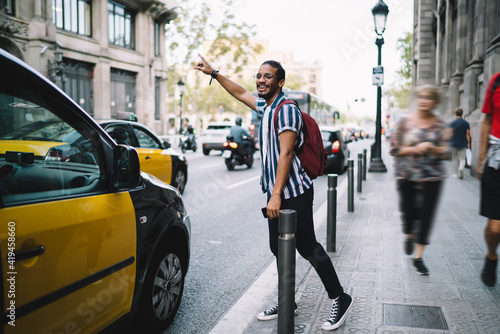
{"type": "Point", "coordinates": [389, 296]}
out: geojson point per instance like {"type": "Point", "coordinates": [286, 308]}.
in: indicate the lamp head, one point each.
{"type": "Point", "coordinates": [380, 12]}
{"type": "Point", "coordinates": [58, 55]}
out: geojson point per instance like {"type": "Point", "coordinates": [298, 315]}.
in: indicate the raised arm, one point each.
{"type": "Point", "coordinates": [238, 92]}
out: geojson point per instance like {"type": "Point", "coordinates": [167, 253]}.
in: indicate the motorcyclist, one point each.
{"type": "Point", "coordinates": [189, 132]}
{"type": "Point", "coordinates": [239, 134]}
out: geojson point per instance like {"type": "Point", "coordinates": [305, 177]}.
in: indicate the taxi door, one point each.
{"type": "Point", "coordinates": [67, 242]}
{"type": "Point", "coordinates": [154, 158]}
{"type": "Point", "coordinates": [70, 264]}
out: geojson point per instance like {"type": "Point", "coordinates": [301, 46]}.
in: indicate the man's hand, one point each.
{"type": "Point", "coordinates": [273, 207]}
{"type": "Point", "coordinates": [203, 66]}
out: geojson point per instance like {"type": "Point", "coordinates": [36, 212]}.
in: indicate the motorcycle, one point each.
{"type": "Point", "coordinates": [236, 154]}
{"type": "Point", "coordinates": [188, 142]}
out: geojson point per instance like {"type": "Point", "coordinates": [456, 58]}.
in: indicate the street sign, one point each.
{"type": "Point", "coordinates": [378, 76]}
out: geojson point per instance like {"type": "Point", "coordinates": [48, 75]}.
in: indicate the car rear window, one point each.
{"type": "Point", "coordinates": [330, 136]}
{"type": "Point", "coordinates": [218, 127]}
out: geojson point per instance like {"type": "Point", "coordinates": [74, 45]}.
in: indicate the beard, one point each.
{"type": "Point", "coordinates": [267, 95]}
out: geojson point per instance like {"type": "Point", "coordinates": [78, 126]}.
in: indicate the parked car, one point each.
{"type": "Point", "coordinates": [214, 136]}
{"type": "Point", "coordinates": [157, 157]}
{"type": "Point", "coordinates": [87, 240]}
{"type": "Point", "coordinates": [336, 147]}
{"type": "Point", "coordinates": [346, 133]}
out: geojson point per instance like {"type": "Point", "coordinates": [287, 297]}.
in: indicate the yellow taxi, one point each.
{"type": "Point", "coordinates": [156, 156]}
{"type": "Point", "coordinates": [87, 240]}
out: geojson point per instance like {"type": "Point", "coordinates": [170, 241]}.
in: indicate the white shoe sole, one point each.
{"type": "Point", "coordinates": [328, 327]}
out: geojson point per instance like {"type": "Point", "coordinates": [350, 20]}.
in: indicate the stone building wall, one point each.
{"type": "Point", "coordinates": [457, 47]}
{"type": "Point", "coordinates": [28, 31]}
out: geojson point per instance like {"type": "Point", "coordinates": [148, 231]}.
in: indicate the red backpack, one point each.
{"type": "Point", "coordinates": [312, 153]}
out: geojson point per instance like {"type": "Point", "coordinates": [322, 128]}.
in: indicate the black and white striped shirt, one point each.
{"type": "Point", "coordinates": [289, 119]}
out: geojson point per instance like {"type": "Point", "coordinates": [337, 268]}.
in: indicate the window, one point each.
{"type": "Point", "coordinates": [312, 78]}
{"type": "Point", "coordinates": [9, 6]}
{"type": "Point", "coordinates": [120, 133]}
{"type": "Point", "coordinates": [157, 39]}
{"type": "Point", "coordinates": [145, 139]}
{"type": "Point", "coordinates": [122, 92]}
{"type": "Point", "coordinates": [42, 156]}
{"type": "Point", "coordinates": [79, 83]}
{"type": "Point", "coordinates": [157, 97]}
{"type": "Point", "coordinates": [121, 25]}
{"type": "Point", "coordinates": [73, 15]}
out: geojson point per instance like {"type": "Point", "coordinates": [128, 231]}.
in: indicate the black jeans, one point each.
{"type": "Point", "coordinates": [418, 202]}
{"type": "Point", "coordinates": [307, 245]}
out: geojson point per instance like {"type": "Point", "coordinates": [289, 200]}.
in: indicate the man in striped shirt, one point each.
{"type": "Point", "coordinates": [284, 180]}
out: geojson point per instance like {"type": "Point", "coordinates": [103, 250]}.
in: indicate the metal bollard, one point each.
{"type": "Point", "coordinates": [331, 224]}
{"type": "Point", "coordinates": [350, 185]}
{"type": "Point", "coordinates": [287, 226]}
{"type": "Point", "coordinates": [364, 164]}
{"type": "Point", "coordinates": [360, 172]}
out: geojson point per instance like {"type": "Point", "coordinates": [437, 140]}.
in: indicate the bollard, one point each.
{"type": "Point", "coordinates": [331, 224]}
{"type": "Point", "coordinates": [350, 185]}
{"type": "Point", "coordinates": [364, 164]}
{"type": "Point", "coordinates": [360, 172]}
{"type": "Point", "coordinates": [287, 226]}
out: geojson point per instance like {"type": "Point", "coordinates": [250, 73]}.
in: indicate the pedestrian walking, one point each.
{"type": "Point", "coordinates": [419, 145]}
{"type": "Point", "coordinates": [460, 142]}
{"type": "Point", "coordinates": [284, 180]}
{"type": "Point", "coordinates": [488, 170]}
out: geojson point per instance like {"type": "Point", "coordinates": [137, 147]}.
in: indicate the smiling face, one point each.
{"type": "Point", "coordinates": [268, 85]}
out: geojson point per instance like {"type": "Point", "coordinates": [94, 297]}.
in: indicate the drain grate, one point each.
{"type": "Point", "coordinates": [430, 317]}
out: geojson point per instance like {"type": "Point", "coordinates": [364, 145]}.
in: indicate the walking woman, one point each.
{"type": "Point", "coordinates": [419, 145]}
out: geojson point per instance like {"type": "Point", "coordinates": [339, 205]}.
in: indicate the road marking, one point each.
{"type": "Point", "coordinates": [234, 185]}
{"type": "Point", "coordinates": [211, 165]}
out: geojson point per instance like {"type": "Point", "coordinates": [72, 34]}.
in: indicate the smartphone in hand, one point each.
{"type": "Point", "coordinates": [264, 212]}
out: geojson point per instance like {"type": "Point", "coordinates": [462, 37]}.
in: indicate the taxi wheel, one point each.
{"type": "Point", "coordinates": [179, 180]}
{"type": "Point", "coordinates": [163, 288]}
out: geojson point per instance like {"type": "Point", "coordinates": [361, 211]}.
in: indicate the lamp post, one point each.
{"type": "Point", "coordinates": [56, 68]}
{"type": "Point", "coordinates": [380, 12]}
{"type": "Point", "coordinates": [180, 84]}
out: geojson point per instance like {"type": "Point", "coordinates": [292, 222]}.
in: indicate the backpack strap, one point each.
{"type": "Point", "coordinates": [287, 101]}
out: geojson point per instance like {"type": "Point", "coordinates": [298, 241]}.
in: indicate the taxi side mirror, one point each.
{"type": "Point", "coordinates": [126, 167]}
{"type": "Point", "coordinates": [167, 145]}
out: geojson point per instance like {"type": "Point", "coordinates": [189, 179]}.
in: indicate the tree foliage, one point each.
{"type": "Point", "coordinates": [400, 90]}
{"type": "Point", "coordinates": [199, 23]}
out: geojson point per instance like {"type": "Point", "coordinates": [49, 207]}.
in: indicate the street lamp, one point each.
{"type": "Point", "coordinates": [380, 12]}
{"type": "Point", "coordinates": [56, 68]}
{"type": "Point", "coordinates": [180, 84]}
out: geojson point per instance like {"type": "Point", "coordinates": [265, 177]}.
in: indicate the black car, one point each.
{"type": "Point", "coordinates": [87, 240]}
{"type": "Point", "coordinates": [336, 147]}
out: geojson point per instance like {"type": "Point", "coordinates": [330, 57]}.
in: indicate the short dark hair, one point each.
{"type": "Point", "coordinates": [280, 73]}
{"type": "Point", "coordinates": [459, 112]}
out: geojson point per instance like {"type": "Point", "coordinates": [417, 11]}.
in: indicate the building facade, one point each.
{"type": "Point", "coordinates": [107, 55]}
{"type": "Point", "coordinates": [457, 47]}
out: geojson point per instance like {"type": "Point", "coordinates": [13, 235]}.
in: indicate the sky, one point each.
{"type": "Point", "coordinates": [338, 33]}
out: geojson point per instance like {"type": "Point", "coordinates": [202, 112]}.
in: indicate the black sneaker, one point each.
{"type": "Point", "coordinates": [271, 313]}
{"type": "Point", "coordinates": [338, 312]}
{"type": "Point", "coordinates": [408, 246]}
{"type": "Point", "coordinates": [420, 266]}
{"type": "Point", "coordinates": [489, 274]}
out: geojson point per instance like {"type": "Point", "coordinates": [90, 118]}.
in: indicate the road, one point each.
{"type": "Point", "coordinates": [229, 236]}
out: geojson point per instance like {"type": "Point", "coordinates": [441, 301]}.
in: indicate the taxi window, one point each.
{"type": "Point", "coordinates": [120, 133]}
{"type": "Point", "coordinates": [42, 157]}
{"type": "Point", "coordinates": [145, 139]}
